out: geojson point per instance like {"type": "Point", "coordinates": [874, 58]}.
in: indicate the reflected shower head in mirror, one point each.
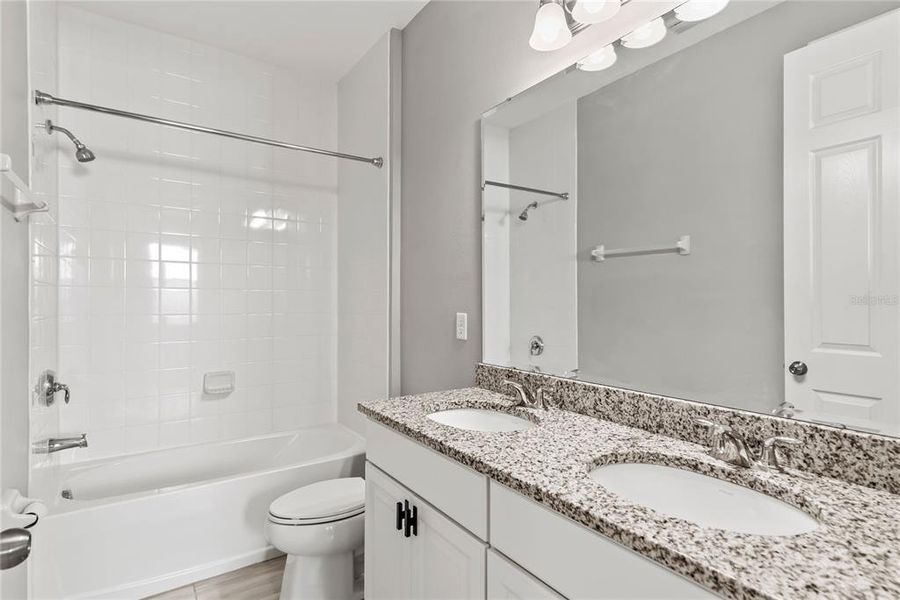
{"type": "Point", "coordinates": [523, 216]}
{"type": "Point", "coordinates": [83, 154]}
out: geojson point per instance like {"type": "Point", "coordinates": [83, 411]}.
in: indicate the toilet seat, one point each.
{"type": "Point", "coordinates": [321, 502]}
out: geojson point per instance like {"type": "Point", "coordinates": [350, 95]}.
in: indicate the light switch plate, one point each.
{"type": "Point", "coordinates": [462, 326]}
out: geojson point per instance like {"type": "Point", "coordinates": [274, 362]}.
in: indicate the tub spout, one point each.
{"type": "Point", "coordinates": [56, 444]}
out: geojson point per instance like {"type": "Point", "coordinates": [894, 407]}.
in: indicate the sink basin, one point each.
{"type": "Point", "coordinates": [702, 500]}
{"type": "Point", "coordinates": [481, 419]}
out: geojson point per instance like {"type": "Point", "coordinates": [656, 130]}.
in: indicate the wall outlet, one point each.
{"type": "Point", "coordinates": [462, 326]}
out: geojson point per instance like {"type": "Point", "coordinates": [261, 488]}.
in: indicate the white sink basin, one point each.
{"type": "Point", "coordinates": [480, 419]}
{"type": "Point", "coordinates": [702, 500]}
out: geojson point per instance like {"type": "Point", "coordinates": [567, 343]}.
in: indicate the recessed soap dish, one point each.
{"type": "Point", "coordinates": [218, 382]}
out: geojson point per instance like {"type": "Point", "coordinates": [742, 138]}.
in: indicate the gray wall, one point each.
{"type": "Point", "coordinates": [459, 58]}
{"type": "Point", "coordinates": [693, 145]}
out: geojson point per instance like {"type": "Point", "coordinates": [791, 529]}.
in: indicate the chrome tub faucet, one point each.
{"type": "Point", "coordinates": [56, 444]}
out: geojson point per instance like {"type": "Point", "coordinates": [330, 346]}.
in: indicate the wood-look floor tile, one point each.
{"type": "Point", "coordinates": [256, 582]}
{"type": "Point", "coordinates": [182, 593]}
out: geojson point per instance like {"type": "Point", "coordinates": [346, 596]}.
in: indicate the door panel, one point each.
{"type": "Point", "coordinates": [506, 581]}
{"type": "Point", "coordinates": [841, 225]}
{"type": "Point", "coordinates": [448, 562]}
{"type": "Point", "coordinates": [387, 551]}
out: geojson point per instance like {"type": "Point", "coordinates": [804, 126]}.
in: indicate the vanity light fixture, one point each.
{"type": "Point", "coordinates": [646, 35]}
{"type": "Point", "coordinates": [598, 60]}
{"type": "Point", "coordinates": [595, 11]}
{"type": "Point", "coordinates": [697, 10]}
{"type": "Point", "coordinates": [551, 30]}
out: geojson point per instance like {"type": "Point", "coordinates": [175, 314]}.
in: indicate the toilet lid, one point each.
{"type": "Point", "coordinates": [335, 498]}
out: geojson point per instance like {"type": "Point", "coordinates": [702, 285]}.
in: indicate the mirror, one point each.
{"type": "Point", "coordinates": [714, 217]}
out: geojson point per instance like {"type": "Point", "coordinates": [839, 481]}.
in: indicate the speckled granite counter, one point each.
{"type": "Point", "coordinates": [854, 554]}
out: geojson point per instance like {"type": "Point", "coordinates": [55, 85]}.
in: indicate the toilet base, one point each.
{"type": "Point", "coordinates": [328, 577]}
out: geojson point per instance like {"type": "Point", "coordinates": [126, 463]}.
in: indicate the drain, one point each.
{"type": "Point", "coordinates": [67, 494]}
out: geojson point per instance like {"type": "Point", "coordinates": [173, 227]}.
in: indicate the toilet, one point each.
{"type": "Point", "coordinates": [319, 527]}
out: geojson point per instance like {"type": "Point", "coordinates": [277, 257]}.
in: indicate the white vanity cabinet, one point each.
{"type": "Point", "coordinates": [528, 552]}
{"type": "Point", "coordinates": [414, 551]}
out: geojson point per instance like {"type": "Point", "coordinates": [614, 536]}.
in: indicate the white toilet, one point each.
{"type": "Point", "coordinates": [319, 526]}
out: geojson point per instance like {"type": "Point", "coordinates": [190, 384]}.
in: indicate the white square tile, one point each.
{"type": "Point", "coordinates": [142, 273]}
{"type": "Point", "coordinates": [173, 355]}
{"type": "Point", "coordinates": [175, 248]}
{"type": "Point", "coordinates": [107, 244]}
{"type": "Point", "coordinates": [175, 275]}
{"type": "Point", "coordinates": [141, 438]}
{"type": "Point", "coordinates": [175, 302]}
{"type": "Point", "coordinates": [174, 408]}
{"type": "Point", "coordinates": [174, 221]}
{"type": "Point", "coordinates": [141, 411]}
{"type": "Point", "coordinates": [204, 430]}
{"type": "Point", "coordinates": [174, 433]}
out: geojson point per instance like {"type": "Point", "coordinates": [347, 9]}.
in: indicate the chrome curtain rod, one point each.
{"type": "Point", "coordinates": [521, 188]}
{"type": "Point", "coordinates": [43, 98]}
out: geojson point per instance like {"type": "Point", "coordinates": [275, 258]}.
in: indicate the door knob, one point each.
{"type": "Point", "coordinates": [798, 368]}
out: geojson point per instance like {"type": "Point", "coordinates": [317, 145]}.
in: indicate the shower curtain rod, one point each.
{"type": "Point", "coordinates": [522, 188]}
{"type": "Point", "coordinates": [44, 98]}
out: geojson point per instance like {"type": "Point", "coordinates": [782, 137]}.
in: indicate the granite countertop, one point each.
{"type": "Point", "coordinates": [855, 553]}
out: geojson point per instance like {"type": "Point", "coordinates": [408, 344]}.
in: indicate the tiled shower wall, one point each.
{"type": "Point", "coordinates": [43, 230]}
{"type": "Point", "coordinates": [186, 253]}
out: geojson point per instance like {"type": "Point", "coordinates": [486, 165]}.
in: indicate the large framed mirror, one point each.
{"type": "Point", "coordinates": [713, 218]}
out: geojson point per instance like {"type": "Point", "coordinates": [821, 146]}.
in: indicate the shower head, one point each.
{"type": "Point", "coordinates": [83, 154]}
{"type": "Point", "coordinates": [523, 216]}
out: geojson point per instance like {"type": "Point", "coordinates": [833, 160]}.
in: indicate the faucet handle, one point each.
{"type": "Point", "coordinates": [768, 456]}
{"type": "Point", "coordinates": [717, 447]}
{"type": "Point", "coordinates": [522, 393]}
{"type": "Point", "coordinates": [543, 398]}
{"type": "Point", "coordinates": [717, 428]}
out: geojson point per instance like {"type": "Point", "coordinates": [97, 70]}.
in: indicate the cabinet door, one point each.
{"type": "Point", "coordinates": [447, 562]}
{"type": "Point", "coordinates": [506, 581]}
{"type": "Point", "coordinates": [387, 551]}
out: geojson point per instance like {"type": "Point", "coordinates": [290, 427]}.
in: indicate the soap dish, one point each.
{"type": "Point", "coordinates": [218, 382]}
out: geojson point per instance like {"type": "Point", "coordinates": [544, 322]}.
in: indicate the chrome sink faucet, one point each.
{"type": "Point", "coordinates": [731, 447]}
{"type": "Point", "coordinates": [56, 444]}
{"type": "Point", "coordinates": [540, 399]}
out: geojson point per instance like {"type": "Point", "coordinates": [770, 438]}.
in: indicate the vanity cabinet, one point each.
{"type": "Point", "coordinates": [529, 552]}
{"type": "Point", "coordinates": [507, 581]}
{"type": "Point", "coordinates": [414, 551]}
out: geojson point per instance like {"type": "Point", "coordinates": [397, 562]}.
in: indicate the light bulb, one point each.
{"type": "Point", "coordinates": [697, 10]}
{"type": "Point", "coordinates": [551, 32]}
{"type": "Point", "coordinates": [603, 58]}
{"type": "Point", "coordinates": [646, 35]}
{"type": "Point", "coordinates": [595, 11]}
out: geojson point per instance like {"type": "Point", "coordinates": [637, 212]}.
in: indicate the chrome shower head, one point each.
{"type": "Point", "coordinates": [83, 154]}
{"type": "Point", "coordinates": [523, 216]}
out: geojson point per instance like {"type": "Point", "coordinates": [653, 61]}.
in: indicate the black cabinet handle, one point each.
{"type": "Point", "coordinates": [412, 521]}
{"type": "Point", "coordinates": [400, 515]}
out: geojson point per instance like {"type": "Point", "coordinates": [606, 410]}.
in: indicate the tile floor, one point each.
{"type": "Point", "coordinates": [261, 581]}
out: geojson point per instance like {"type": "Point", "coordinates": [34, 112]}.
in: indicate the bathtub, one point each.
{"type": "Point", "coordinates": [134, 526]}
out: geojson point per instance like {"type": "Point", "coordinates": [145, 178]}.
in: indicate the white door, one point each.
{"type": "Point", "coordinates": [507, 581]}
{"type": "Point", "coordinates": [439, 560]}
{"type": "Point", "coordinates": [387, 551]}
{"type": "Point", "coordinates": [841, 220]}
{"type": "Point", "coordinates": [448, 563]}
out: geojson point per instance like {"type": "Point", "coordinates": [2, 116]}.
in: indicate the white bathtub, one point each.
{"type": "Point", "coordinates": [146, 523]}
